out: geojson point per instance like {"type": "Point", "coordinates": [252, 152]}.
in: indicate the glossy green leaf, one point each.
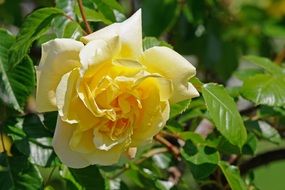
{"type": "Point", "coordinates": [266, 64]}
{"type": "Point", "coordinates": [149, 42]}
{"type": "Point", "coordinates": [34, 127]}
{"type": "Point", "coordinates": [7, 96]}
{"type": "Point", "coordinates": [67, 6]}
{"type": "Point", "coordinates": [18, 173]}
{"type": "Point", "coordinates": [65, 27]}
{"type": "Point", "coordinates": [115, 5]}
{"type": "Point", "coordinates": [89, 177]}
{"type": "Point", "coordinates": [179, 108]}
{"type": "Point", "coordinates": [250, 145]}
{"type": "Point", "coordinates": [17, 83]}
{"type": "Point", "coordinates": [93, 15]}
{"type": "Point", "coordinates": [202, 158]}
{"type": "Point", "coordinates": [246, 73]}
{"type": "Point", "coordinates": [71, 183]}
{"type": "Point", "coordinates": [224, 113]}
{"type": "Point", "coordinates": [265, 89]}
{"type": "Point", "coordinates": [264, 130]}
{"type": "Point", "coordinates": [106, 10]}
{"type": "Point", "coordinates": [32, 140]}
{"type": "Point", "coordinates": [232, 175]}
{"type": "Point", "coordinates": [33, 27]}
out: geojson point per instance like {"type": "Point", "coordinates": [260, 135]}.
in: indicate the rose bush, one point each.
{"type": "Point", "coordinates": [110, 94]}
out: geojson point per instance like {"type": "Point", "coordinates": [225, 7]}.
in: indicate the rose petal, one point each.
{"type": "Point", "coordinates": [153, 117]}
{"type": "Point", "coordinates": [59, 56]}
{"type": "Point", "coordinates": [65, 93]}
{"type": "Point", "coordinates": [164, 85]}
{"type": "Point", "coordinates": [97, 52]}
{"type": "Point", "coordinates": [106, 158]}
{"type": "Point", "coordinates": [173, 66]}
{"type": "Point", "coordinates": [129, 32]}
{"type": "Point", "coordinates": [62, 135]}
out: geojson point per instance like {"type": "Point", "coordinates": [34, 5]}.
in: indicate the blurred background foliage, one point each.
{"type": "Point", "coordinates": [214, 35]}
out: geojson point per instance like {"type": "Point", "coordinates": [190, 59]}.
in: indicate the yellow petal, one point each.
{"type": "Point", "coordinates": [173, 66]}
{"type": "Point", "coordinates": [59, 56]}
{"type": "Point", "coordinates": [97, 52]}
{"type": "Point", "coordinates": [5, 144]}
{"type": "Point", "coordinates": [102, 157]}
{"type": "Point", "coordinates": [129, 32]}
{"type": "Point", "coordinates": [164, 85]}
{"type": "Point", "coordinates": [62, 135]}
{"type": "Point", "coordinates": [153, 118]}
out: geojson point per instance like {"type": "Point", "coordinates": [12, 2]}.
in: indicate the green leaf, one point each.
{"type": "Point", "coordinates": [265, 89]}
{"type": "Point", "coordinates": [89, 177]}
{"type": "Point", "coordinates": [202, 158]}
{"type": "Point", "coordinates": [18, 82]}
{"type": "Point", "coordinates": [34, 127]}
{"type": "Point", "coordinates": [115, 5]}
{"type": "Point", "coordinates": [264, 130]}
{"type": "Point", "coordinates": [63, 26]}
{"type": "Point", "coordinates": [33, 27]}
{"type": "Point", "coordinates": [246, 73]}
{"type": "Point", "coordinates": [7, 96]}
{"type": "Point", "coordinates": [179, 108]}
{"type": "Point", "coordinates": [232, 175]}
{"type": "Point", "coordinates": [224, 113]}
{"type": "Point", "coordinates": [250, 145]}
{"type": "Point", "coordinates": [50, 119]}
{"type": "Point", "coordinates": [105, 10]}
{"type": "Point", "coordinates": [266, 64]}
{"type": "Point", "coordinates": [19, 174]}
{"type": "Point", "coordinates": [30, 139]}
{"type": "Point", "coordinates": [67, 6]}
{"type": "Point", "coordinates": [93, 16]}
{"type": "Point", "coordinates": [71, 183]}
{"type": "Point", "coordinates": [149, 42]}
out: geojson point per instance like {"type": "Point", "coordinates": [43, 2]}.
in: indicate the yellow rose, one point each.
{"type": "Point", "coordinates": [111, 96]}
{"type": "Point", "coordinates": [5, 144]}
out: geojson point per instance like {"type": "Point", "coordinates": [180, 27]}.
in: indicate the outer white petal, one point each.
{"type": "Point", "coordinates": [97, 52]}
{"type": "Point", "coordinates": [106, 158]}
{"type": "Point", "coordinates": [65, 96]}
{"type": "Point", "coordinates": [129, 32]}
{"type": "Point", "coordinates": [62, 135]}
{"type": "Point", "coordinates": [59, 56]}
{"type": "Point", "coordinates": [173, 66]}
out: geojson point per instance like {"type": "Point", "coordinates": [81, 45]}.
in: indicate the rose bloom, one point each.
{"type": "Point", "coordinates": [111, 95]}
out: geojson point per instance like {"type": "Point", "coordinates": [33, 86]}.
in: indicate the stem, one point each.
{"type": "Point", "coordinates": [50, 175]}
{"type": "Point", "coordinates": [88, 28]}
{"type": "Point", "coordinates": [262, 159]}
{"type": "Point", "coordinates": [280, 57]}
{"type": "Point", "coordinates": [170, 146]}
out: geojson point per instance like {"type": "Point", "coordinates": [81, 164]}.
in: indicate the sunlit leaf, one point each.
{"type": "Point", "coordinates": [89, 177]}
{"type": "Point", "coordinates": [265, 89]}
{"type": "Point", "coordinates": [232, 175]}
{"type": "Point", "coordinates": [224, 113]}
{"type": "Point", "coordinates": [33, 27]}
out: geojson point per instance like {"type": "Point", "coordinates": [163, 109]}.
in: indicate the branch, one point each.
{"type": "Point", "coordinates": [280, 57]}
{"type": "Point", "coordinates": [262, 159]}
{"type": "Point", "coordinates": [80, 4]}
{"type": "Point", "coordinates": [169, 146]}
